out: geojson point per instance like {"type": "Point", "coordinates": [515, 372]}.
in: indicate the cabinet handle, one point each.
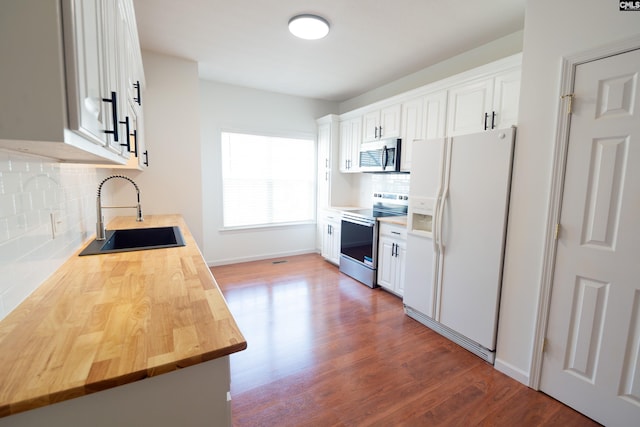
{"type": "Point", "coordinates": [376, 133]}
{"type": "Point", "coordinates": [396, 233]}
{"type": "Point", "coordinates": [493, 120]}
{"type": "Point", "coordinates": [126, 124]}
{"type": "Point", "coordinates": [114, 114]}
{"type": "Point", "coordinates": [138, 98]}
{"type": "Point", "coordinates": [135, 142]}
{"type": "Point", "coordinates": [380, 131]}
{"type": "Point", "coordinates": [146, 158]}
{"type": "Point", "coordinates": [486, 117]}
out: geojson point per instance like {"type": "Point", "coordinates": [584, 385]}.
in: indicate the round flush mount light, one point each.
{"type": "Point", "coordinates": [309, 27]}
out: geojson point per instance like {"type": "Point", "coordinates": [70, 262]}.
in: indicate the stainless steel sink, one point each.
{"type": "Point", "coordinates": [136, 239]}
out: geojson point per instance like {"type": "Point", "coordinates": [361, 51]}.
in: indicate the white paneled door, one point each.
{"type": "Point", "coordinates": [592, 351]}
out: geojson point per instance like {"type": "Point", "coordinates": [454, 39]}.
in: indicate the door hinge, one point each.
{"type": "Point", "coordinates": [557, 232]}
{"type": "Point", "coordinates": [545, 345]}
{"type": "Point", "coordinates": [570, 103]}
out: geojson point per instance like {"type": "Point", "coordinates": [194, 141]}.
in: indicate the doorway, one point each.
{"type": "Point", "coordinates": [591, 358]}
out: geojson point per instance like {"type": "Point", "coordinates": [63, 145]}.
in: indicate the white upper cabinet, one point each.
{"type": "Point", "coordinates": [334, 188]}
{"type": "Point", "coordinates": [506, 94]}
{"type": "Point", "coordinates": [65, 81]}
{"type": "Point", "coordinates": [87, 84]}
{"type": "Point", "coordinates": [422, 118]}
{"type": "Point", "coordinates": [324, 165]}
{"type": "Point", "coordinates": [479, 99]}
{"type": "Point", "coordinates": [413, 122]}
{"type": "Point", "coordinates": [350, 140]}
{"type": "Point", "coordinates": [484, 104]}
{"type": "Point", "coordinates": [383, 123]}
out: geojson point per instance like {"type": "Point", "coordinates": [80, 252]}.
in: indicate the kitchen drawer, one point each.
{"type": "Point", "coordinates": [393, 230]}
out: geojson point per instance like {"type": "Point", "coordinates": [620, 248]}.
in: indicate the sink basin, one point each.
{"type": "Point", "coordinates": [135, 239]}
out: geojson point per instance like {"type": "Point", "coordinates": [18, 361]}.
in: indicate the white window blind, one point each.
{"type": "Point", "coordinates": [267, 180]}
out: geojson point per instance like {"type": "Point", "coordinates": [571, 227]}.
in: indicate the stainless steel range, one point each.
{"type": "Point", "coordinates": [359, 236]}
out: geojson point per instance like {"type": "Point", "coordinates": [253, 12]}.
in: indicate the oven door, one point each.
{"type": "Point", "coordinates": [359, 240]}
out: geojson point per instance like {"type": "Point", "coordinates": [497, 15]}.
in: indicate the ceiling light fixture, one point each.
{"type": "Point", "coordinates": [309, 27]}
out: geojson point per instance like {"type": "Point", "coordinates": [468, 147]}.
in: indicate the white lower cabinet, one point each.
{"type": "Point", "coordinates": [392, 250]}
{"type": "Point", "coordinates": [330, 229]}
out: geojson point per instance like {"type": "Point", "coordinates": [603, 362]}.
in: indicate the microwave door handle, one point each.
{"type": "Point", "coordinates": [385, 157]}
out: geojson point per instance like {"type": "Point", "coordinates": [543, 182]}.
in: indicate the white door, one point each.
{"type": "Point", "coordinates": [592, 357]}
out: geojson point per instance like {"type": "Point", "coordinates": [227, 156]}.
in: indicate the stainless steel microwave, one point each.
{"type": "Point", "coordinates": [380, 156]}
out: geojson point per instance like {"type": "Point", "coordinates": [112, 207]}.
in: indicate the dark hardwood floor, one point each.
{"type": "Point", "coordinates": [325, 350]}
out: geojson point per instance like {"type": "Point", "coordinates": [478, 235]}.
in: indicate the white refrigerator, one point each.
{"type": "Point", "coordinates": [458, 205]}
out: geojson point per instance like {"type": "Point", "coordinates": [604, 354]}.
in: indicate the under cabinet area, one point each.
{"type": "Point", "coordinates": [70, 81]}
{"type": "Point", "coordinates": [392, 249]}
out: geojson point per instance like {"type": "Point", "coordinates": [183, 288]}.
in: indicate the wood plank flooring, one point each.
{"type": "Point", "coordinates": [325, 350]}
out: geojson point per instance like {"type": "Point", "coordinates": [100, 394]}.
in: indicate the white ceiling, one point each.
{"type": "Point", "coordinates": [371, 42]}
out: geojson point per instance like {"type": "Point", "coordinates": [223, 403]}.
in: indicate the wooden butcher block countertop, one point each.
{"type": "Point", "coordinates": [105, 320]}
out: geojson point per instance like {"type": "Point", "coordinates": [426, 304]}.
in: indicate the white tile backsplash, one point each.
{"type": "Point", "coordinates": [31, 189]}
{"type": "Point", "coordinates": [368, 183]}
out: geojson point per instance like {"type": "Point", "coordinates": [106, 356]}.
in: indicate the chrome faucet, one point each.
{"type": "Point", "coordinates": [100, 227]}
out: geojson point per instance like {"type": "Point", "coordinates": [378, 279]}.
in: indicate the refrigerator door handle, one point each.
{"type": "Point", "coordinates": [445, 195]}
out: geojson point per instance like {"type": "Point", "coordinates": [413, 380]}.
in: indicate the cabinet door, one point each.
{"type": "Point", "coordinates": [324, 164]}
{"type": "Point", "coordinates": [350, 139]}
{"type": "Point", "coordinates": [413, 120]}
{"type": "Point", "coordinates": [335, 242]}
{"type": "Point", "coordinates": [89, 116]}
{"type": "Point", "coordinates": [386, 263]}
{"type": "Point", "coordinates": [401, 262]}
{"type": "Point", "coordinates": [111, 48]}
{"type": "Point", "coordinates": [390, 121]}
{"type": "Point", "coordinates": [467, 106]}
{"type": "Point", "coordinates": [435, 107]}
{"type": "Point", "coordinates": [330, 249]}
{"type": "Point", "coordinates": [370, 126]}
{"type": "Point", "coordinates": [506, 95]}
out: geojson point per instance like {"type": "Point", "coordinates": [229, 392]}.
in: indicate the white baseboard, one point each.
{"type": "Point", "coordinates": [261, 257]}
{"type": "Point", "coordinates": [511, 371]}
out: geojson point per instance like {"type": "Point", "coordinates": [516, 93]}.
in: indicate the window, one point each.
{"type": "Point", "coordinates": [267, 180]}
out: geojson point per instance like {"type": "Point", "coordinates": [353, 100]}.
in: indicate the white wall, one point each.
{"type": "Point", "coordinates": [31, 188]}
{"type": "Point", "coordinates": [225, 107]}
{"type": "Point", "coordinates": [173, 181]}
{"type": "Point", "coordinates": [553, 29]}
